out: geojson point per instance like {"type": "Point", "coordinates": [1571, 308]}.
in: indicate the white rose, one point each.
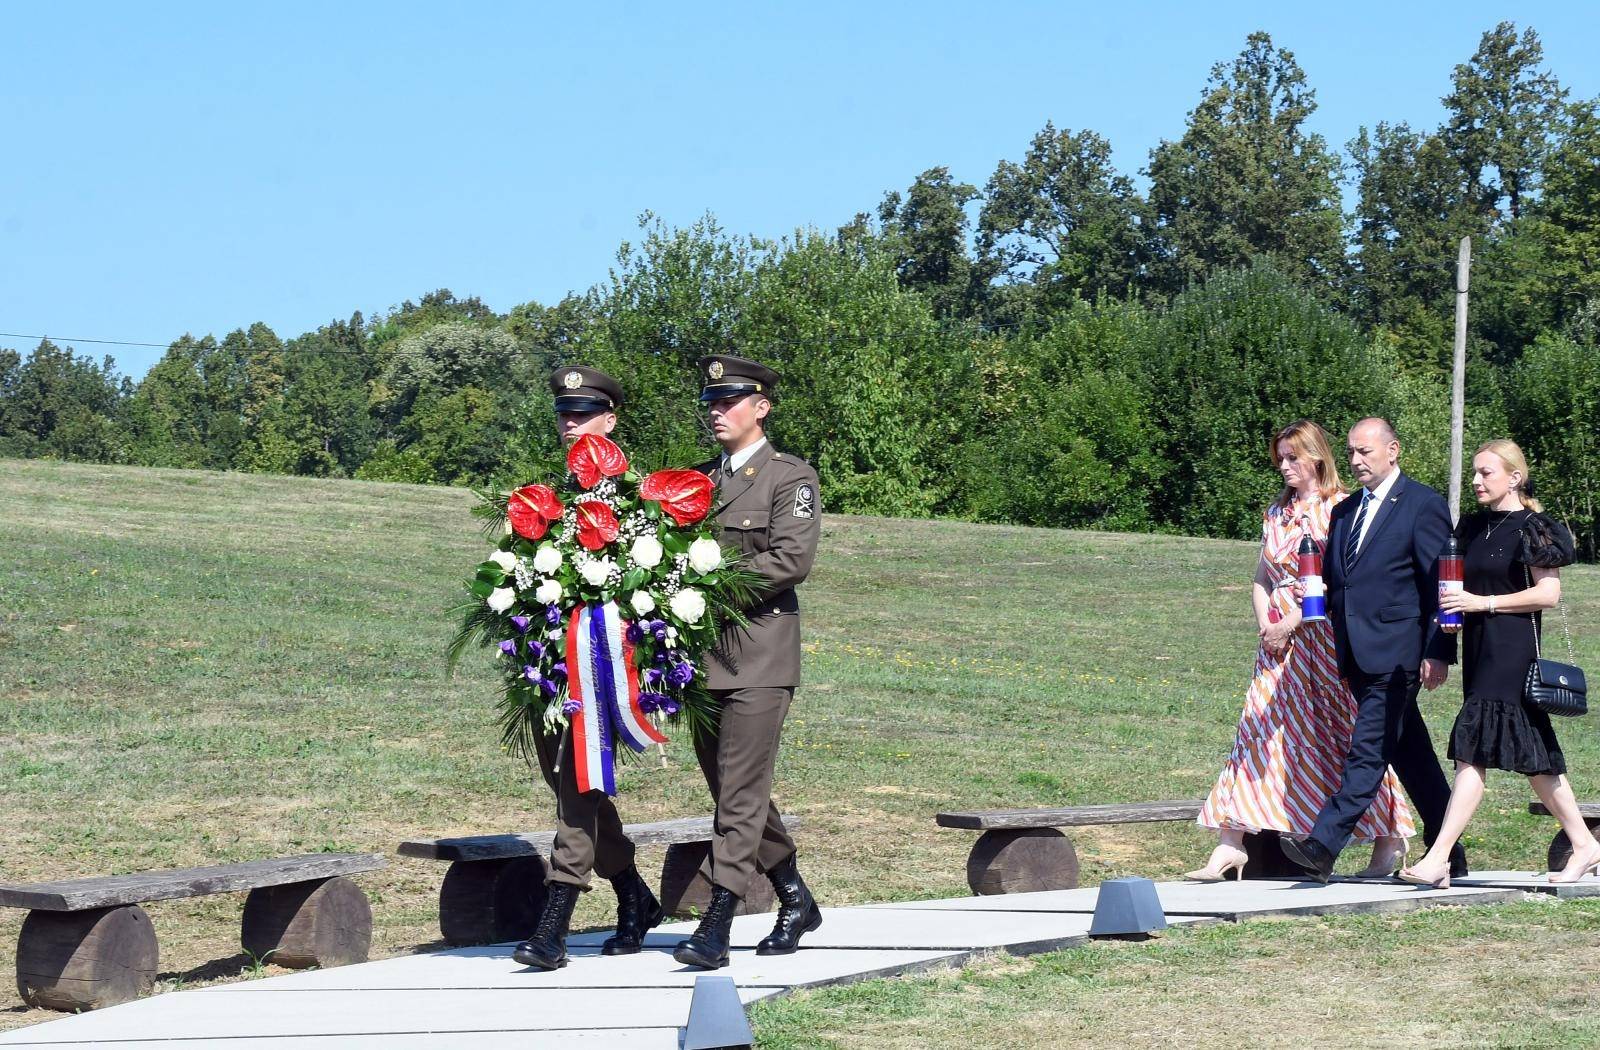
{"type": "Point", "coordinates": [500, 598]}
{"type": "Point", "coordinates": [505, 559]}
{"type": "Point", "coordinates": [688, 605]}
{"type": "Point", "coordinates": [646, 551]}
{"type": "Point", "coordinates": [547, 559]}
{"type": "Point", "coordinates": [549, 592]}
{"type": "Point", "coordinates": [596, 570]}
{"type": "Point", "coordinates": [704, 555]}
{"type": "Point", "coordinates": [642, 603]}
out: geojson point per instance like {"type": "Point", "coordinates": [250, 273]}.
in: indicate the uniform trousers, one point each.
{"type": "Point", "coordinates": [589, 835]}
{"type": "Point", "coordinates": [737, 758]}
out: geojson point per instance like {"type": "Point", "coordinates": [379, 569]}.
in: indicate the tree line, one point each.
{"type": "Point", "coordinates": [1056, 347]}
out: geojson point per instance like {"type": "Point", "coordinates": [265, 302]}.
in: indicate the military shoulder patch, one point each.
{"type": "Point", "coordinates": [805, 502]}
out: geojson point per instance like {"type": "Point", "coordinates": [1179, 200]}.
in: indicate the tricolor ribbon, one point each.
{"type": "Point", "coordinates": [602, 679]}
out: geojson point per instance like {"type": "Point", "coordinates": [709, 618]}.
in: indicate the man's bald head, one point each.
{"type": "Point", "coordinates": [1374, 451]}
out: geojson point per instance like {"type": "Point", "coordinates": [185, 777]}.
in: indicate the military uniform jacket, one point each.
{"type": "Point", "coordinates": [770, 511]}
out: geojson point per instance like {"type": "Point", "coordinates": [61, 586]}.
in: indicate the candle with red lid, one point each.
{"type": "Point", "coordinates": [1450, 579]}
{"type": "Point", "coordinates": [1313, 597]}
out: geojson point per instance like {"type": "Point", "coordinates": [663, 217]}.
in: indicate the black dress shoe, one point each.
{"type": "Point", "coordinates": [638, 912]}
{"type": "Point", "coordinates": [708, 948]}
{"type": "Point", "coordinates": [1309, 854]}
{"type": "Point", "coordinates": [547, 948]}
{"type": "Point", "coordinates": [798, 913]}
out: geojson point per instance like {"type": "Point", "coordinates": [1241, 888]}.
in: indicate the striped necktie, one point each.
{"type": "Point", "coordinates": [1353, 542]}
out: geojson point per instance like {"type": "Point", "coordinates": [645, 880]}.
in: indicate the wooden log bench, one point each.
{"type": "Point", "coordinates": [1023, 850]}
{"type": "Point", "coordinates": [493, 890]}
{"type": "Point", "coordinates": [86, 943]}
{"type": "Point", "coordinates": [1561, 847]}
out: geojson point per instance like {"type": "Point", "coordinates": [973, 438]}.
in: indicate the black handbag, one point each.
{"type": "Point", "coordinates": [1554, 687]}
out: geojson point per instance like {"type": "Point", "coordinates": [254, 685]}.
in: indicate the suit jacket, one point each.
{"type": "Point", "coordinates": [1382, 604]}
{"type": "Point", "coordinates": [770, 510]}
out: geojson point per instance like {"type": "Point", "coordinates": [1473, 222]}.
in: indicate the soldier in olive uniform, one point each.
{"type": "Point", "coordinates": [768, 507]}
{"type": "Point", "coordinates": [589, 836]}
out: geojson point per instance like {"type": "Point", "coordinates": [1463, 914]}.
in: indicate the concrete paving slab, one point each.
{"type": "Point", "coordinates": [238, 1013]}
{"type": "Point", "coordinates": [493, 967]}
{"type": "Point", "coordinates": [1532, 882]}
{"type": "Point", "coordinates": [868, 928]}
{"type": "Point", "coordinates": [608, 1039]}
{"type": "Point", "coordinates": [1227, 900]}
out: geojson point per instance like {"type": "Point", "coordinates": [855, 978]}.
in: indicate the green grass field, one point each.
{"type": "Point", "coordinates": [197, 668]}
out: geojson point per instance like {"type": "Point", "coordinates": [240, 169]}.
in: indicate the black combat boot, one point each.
{"type": "Point", "coordinates": [708, 948]}
{"type": "Point", "coordinates": [798, 913]}
{"type": "Point", "coordinates": [547, 948]}
{"type": "Point", "coordinates": [638, 912]}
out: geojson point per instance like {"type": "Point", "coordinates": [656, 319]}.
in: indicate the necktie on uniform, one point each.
{"type": "Point", "coordinates": [1353, 543]}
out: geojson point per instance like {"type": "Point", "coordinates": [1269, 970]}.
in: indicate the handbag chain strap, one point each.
{"type": "Point", "coordinates": [1561, 606]}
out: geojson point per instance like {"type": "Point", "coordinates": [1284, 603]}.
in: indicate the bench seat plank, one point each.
{"type": "Point", "coordinates": [1588, 810]}
{"type": "Point", "coordinates": [116, 890]}
{"type": "Point", "coordinates": [1070, 816]}
{"type": "Point", "coordinates": [538, 843]}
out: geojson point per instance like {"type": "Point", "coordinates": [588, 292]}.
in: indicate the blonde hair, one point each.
{"type": "Point", "coordinates": [1510, 454]}
{"type": "Point", "coordinates": [1309, 441]}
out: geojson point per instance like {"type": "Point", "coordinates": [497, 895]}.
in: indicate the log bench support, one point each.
{"type": "Point", "coordinates": [491, 901]}
{"type": "Point", "coordinates": [1561, 847]}
{"type": "Point", "coordinates": [83, 960]}
{"type": "Point", "coordinates": [87, 943]}
{"type": "Point", "coordinates": [686, 892]}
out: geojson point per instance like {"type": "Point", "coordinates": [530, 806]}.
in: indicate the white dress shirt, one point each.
{"type": "Point", "coordinates": [1375, 505]}
{"type": "Point", "coordinates": [732, 463]}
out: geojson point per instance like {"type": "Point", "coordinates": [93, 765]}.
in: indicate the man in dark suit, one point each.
{"type": "Point", "coordinates": [1381, 570]}
{"type": "Point", "coordinates": [768, 507]}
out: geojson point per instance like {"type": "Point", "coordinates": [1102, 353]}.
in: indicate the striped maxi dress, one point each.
{"type": "Point", "coordinates": [1288, 756]}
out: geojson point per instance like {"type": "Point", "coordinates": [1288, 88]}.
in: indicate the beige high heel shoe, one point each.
{"type": "Point", "coordinates": [1386, 858]}
{"type": "Point", "coordinates": [1217, 869]}
{"type": "Point", "coordinates": [1440, 883]}
{"type": "Point", "coordinates": [1561, 878]}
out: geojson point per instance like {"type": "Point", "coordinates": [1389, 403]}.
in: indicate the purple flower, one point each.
{"type": "Point", "coordinates": [552, 614]}
{"type": "Point", "coordinates": [550, 686]}
{"type": "Point", "coordinates": [635, 635]}
{"type": "Point", "coordinates": [521, 623]}
{"type": "Point", "coordinates": [659, 656]}
{"type": "Point", "coordinates": [669, 706]}
{"type": "Point", "coordinates": [681, 674]}
{"type": "Point", "coordinates": [531, 674]}
{"type": "Point", "coordinates": [535, 649]}
{"type": "Point", "coordinates": [509, 647]}
{"type": "Point", "coordinates": [560, 669]}
{"type": "Point", "coordinates": [659, 629]}
{"type": "Point", "coordinates": [570, 707]}
{"type": "Point", "coordinates": [653, 676]}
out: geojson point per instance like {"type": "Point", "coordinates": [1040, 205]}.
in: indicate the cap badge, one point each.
{"type": "Point", "coordinates": [573, 380]}
{"type": "Point", "coordinates": [715, 370]}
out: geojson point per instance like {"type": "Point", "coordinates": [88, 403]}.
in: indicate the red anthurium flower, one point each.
{"type": "Point", "coordinates": [593, 457]}
{"type": "Point", "coordinates": [683, 494]}
{"type": "Point", "coordinates": [531, 509]}
{"type": "Point", "coordinates": [597, 524]}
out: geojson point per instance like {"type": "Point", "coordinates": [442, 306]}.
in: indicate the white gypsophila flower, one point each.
{"type": "Point", "coordinates": [548, 593]}
{"type": "Point", "coordinates": [688, 605]}
{"type": "Point", "coordinates": [646, 551]}
{"type": "Point", "coordinates": [505, 559]}
{"type": "Point", "coordinates": [547, 559]}
{"type": "Point", "coordinates": [705, 554]}
{"type": "Point", "coordinates": [524, 575]}
{"type": "Point", "coordinates": [642, 603]}
{"type": "Point", "coordinates": [501, 598]}
{"type": "Point", "coordinates": [595, 571]}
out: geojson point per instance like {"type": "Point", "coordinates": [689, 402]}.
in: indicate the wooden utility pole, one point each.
{"type": "Point", "coordinates": [1458, 383]}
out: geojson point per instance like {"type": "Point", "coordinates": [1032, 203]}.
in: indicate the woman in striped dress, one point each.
{"type": "Point", "coordinates": [1289, 752]}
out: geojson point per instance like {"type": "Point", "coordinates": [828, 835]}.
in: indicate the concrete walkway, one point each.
{"type": "Point", "coordinates": [478, 999]}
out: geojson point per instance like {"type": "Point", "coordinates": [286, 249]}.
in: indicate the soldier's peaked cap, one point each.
{"type": "Point", "coordinates": [728, 376]}
{"type": "Point", "coordinates": [579, 388]}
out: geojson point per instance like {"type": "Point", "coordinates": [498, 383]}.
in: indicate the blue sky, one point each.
{"type": "Point", "coordinates": [172, 168]}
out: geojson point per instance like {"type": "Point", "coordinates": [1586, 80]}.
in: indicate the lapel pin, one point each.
{"type": "Point", "coordinates": [749, 472]}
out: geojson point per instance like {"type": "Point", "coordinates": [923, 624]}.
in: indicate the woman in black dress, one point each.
{"type": "Point", "coordinates": [1512, 554]}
